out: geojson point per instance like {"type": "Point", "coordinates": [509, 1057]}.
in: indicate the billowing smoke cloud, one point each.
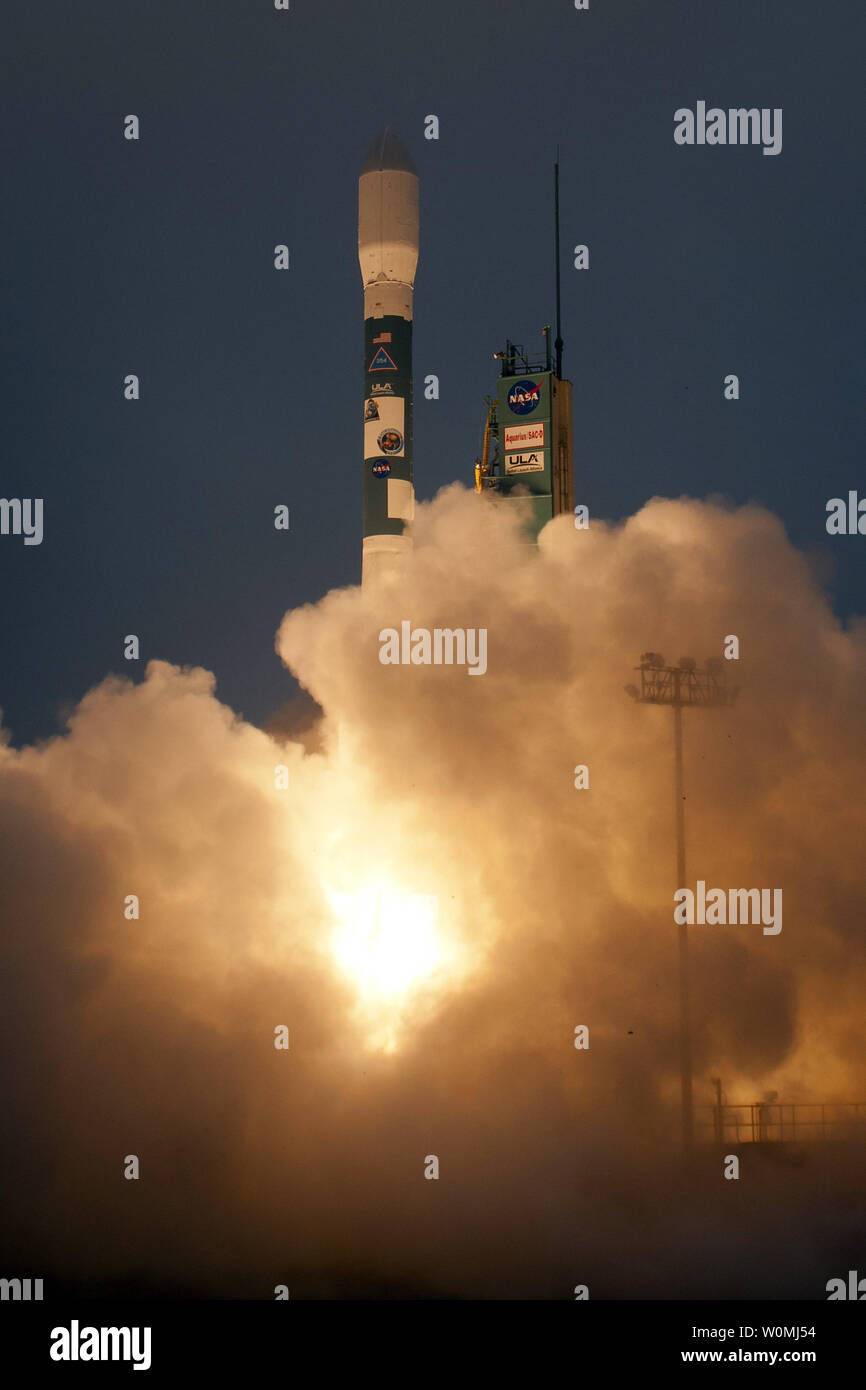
{"type": "Point", "coordinates": [253, 854]}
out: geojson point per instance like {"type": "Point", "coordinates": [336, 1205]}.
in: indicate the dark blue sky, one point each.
{"type": "Point", "coordinates": [156, 258]}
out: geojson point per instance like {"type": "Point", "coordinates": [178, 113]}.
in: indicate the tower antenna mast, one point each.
{"type": "Point", "coordinates": [558, 343]}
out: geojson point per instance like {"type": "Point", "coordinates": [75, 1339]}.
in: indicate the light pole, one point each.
{"type": "Point", "coordinates": [678, 686]}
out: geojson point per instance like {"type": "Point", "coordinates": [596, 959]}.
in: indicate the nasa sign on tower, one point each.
{"type": "Point", "coordinates": [526, 440]}
{"type": "Point", "coordinates": [524, 396]}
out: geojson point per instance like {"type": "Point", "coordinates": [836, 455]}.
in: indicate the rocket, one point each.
{"type": "Point", "coordinates": [388, 255]}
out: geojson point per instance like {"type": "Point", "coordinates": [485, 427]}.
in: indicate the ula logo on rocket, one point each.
{"type": "Point", "coordinates": [524, 397]}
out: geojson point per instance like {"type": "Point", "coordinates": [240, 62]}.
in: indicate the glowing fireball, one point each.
{"type": "Point", "coordinates": [386, 940]}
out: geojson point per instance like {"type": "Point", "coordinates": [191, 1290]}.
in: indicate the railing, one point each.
{"type": "Point", "coordinates": [776, 1123]}
{"type": "Point", "coordinates": [532, 366]}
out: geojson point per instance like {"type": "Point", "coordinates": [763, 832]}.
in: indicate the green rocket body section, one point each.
{"type": "Point", "coordinates": [388, 424]}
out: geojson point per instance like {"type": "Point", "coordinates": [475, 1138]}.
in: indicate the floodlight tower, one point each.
{"type": "Point", "coordinates": [679, 686]}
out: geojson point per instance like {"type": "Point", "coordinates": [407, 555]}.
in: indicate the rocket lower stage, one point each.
{"type": "Point", "coordinates": [388, 256]}
{"type": "Point", "coordinates": [389, 495]}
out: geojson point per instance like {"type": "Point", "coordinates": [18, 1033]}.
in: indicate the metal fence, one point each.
{"type": "Point", "coordinates": [776, 1123]}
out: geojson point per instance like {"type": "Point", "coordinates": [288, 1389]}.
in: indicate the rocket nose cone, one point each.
{"type": "Point", "coordinates": [388, 152]}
